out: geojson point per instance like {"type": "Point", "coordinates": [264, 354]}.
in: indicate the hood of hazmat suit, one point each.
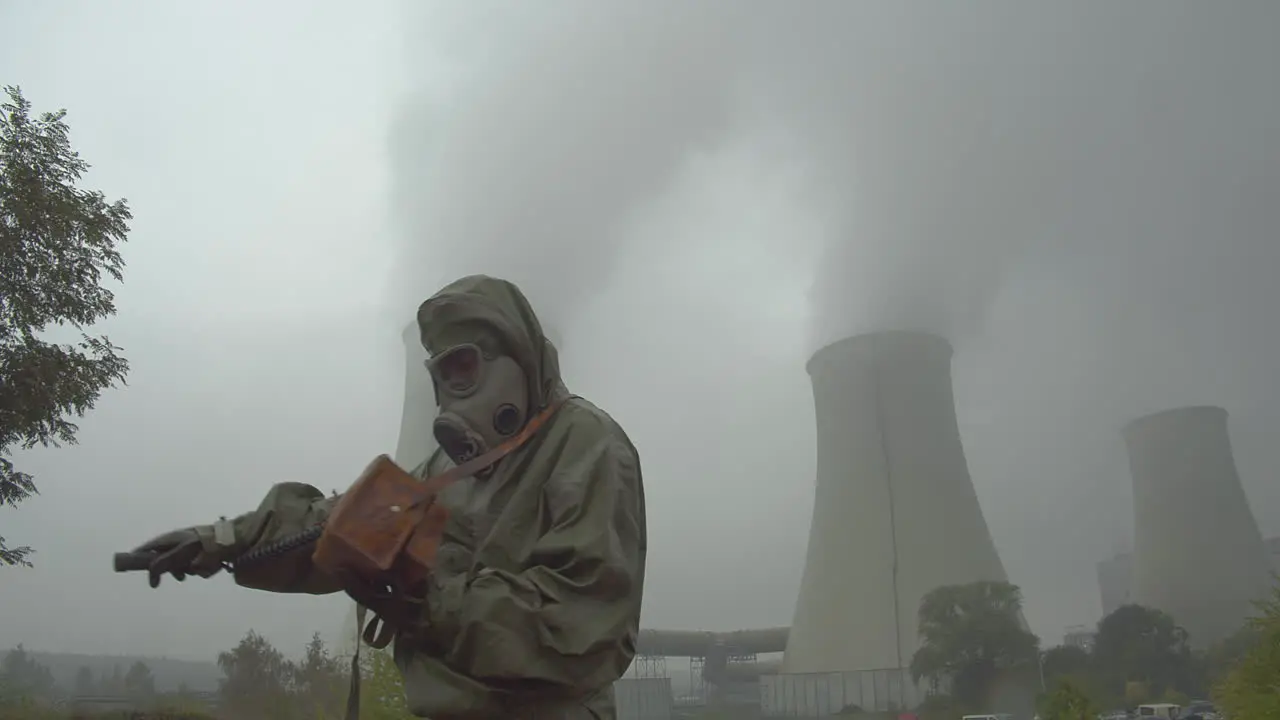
{"type": "Point", "coordinates": [534, 606]}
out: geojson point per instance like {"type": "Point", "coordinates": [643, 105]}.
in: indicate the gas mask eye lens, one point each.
{"type": "Point", "coordinates": [507, 419]}
{"type": "Point", "coordinates": [458, 368]}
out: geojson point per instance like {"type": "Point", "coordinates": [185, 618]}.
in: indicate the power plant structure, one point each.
{"type": "Point", "coordinates": [895, 514]}
{"type": "Point", "coordinates": [725, 663]}
{"type": "Point", "coordinates": [416, 440]}
{"type": "Point", "coordinates": [1115, 576]}
{"type": "Point", "coordinates": [413, 444]}
{"type": "Point", "coordinates": [1198, 554]}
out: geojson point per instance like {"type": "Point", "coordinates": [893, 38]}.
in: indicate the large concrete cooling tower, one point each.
{"type": "Point", "coordinates": [1197, 551]}
{"type": "Point", "coordinates": [413, 446]}
{"type": "Point", "coordinates": [552, 333]}
{"type": "Point", "coordinates": [416, 440]}
{"type": "Point", "coordinates": [894, 513]}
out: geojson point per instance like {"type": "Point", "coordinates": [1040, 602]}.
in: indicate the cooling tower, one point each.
{"type": "Point", "coordinates": [894, 513]}
{"type": "Point", "coordinates": [416, 440]}
{"type": "Point", "coordinates": [1198, 554]}
{"type": "Point", "coordinates": [412, 447]}
{"type": "Point", "coordinates": [552, 333]}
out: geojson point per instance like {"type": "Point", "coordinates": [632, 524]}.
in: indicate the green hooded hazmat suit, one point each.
{"type": "Point", "coordinates": [534, 605]}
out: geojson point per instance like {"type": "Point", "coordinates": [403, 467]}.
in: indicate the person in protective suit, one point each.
{"type": "Point", "coordinates": [533, 608]}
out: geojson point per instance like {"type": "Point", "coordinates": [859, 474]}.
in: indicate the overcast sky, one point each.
{"type": "Point", "coordinates": [1082, 197]}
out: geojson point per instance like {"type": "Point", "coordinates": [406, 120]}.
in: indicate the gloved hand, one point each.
{"type": "Point", "coordinates": [397, 609]}
{"type": "Point", "coordinates": [178, 553]}
{"type": "Point", "coordinates": [401, 611]}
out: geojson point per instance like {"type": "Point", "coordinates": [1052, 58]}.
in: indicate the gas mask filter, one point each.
{"type": "Point", "coordinates": [483, 398]}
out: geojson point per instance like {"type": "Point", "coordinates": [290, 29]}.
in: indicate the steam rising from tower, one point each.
{"type": "Point", "coordinates": [1198, 554]}
{"type": "Point", "coordinates": [895, 514]}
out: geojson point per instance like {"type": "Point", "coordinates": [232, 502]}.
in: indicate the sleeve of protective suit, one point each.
{"type": "Point", "coordinates": [288, 508]}
{"type": "Point", "coordinates": [569, 619]}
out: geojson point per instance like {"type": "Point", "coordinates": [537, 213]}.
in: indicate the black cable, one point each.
{"type": "Point", "coordinates": [283, 546]}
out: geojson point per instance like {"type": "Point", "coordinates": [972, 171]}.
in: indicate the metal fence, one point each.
{"type": "Point", "coordinates": [810, 695]}
{"type": "Point", "coordinates": [643, 698]}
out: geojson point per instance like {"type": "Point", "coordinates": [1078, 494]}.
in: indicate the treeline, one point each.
{"type": "Point", "coordinates": [24, 678]}
{"type": "Point", "coordinates": [258, 683]}
{"type": "Point", "coordinates": [974, 645]}
{"type": "Point", "coordinates": [170, 673]}
{"type": "Point", "coordinates": [1140, 655]}
{"type": "Point", "coordinates": [28, 691]}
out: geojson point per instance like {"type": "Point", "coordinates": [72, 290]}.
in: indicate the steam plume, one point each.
{"type": "Point", "coordinates": [556, 137]}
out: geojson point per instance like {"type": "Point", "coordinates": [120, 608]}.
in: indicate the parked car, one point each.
{"type": "Point", "coordinates": [1200, 710]}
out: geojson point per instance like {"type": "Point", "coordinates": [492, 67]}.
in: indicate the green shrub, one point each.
{"type": "Point", "coordinates": [1068, 701]}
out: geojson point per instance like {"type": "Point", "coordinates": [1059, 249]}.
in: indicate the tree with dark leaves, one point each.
{"type": "Point", "coordinates": [1068, 701]}
{"type": "Point", "coordinates": [140, 684]}
{"type": "Point", "coordinates": [256, 680]}
{"type": "Point", "coordinates": [1064, 661]}
{"type": "Point", "coordinates": [1072, 666]}
{"type": "Point", "coordinates": [1252, 688]}
{"type": "Point", "coordinates": [382, 697]}
{"type": "Point", "coordinates": [319, 680]}
{"type": "Point", "coordinates": [85, 684]}
{"type": "Point", "coordinates": [972, 635]}
{"type": "Point", "coordinates": [1223, 656]}
{"type": "Point", "coordinates": [57, 241]}
{"type": "Point", "coordinates": [1137, 644]}
{"type": "Point", "coordinates": [23, 678]}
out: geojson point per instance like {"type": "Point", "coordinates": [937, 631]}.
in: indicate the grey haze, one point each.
{"type": "Point", "coordinates": [1083, 197]}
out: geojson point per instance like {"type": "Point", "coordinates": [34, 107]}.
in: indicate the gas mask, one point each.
{"type": "Point", "coordinates": [483, 398]}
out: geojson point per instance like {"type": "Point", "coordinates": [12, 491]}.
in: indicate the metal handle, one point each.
{"type": "Point", "coordinates": [132, 562]}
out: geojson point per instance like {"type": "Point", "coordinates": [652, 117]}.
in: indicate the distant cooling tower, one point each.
{"type": "Point", "coordinates": [553, 334]}
{"type": "Point", "coordinates": [412, 447]}
{"type": "Point", "coordinates": [416, 440]}
{"type": "Point", "coordinates": [1198, 554]}
{"type": "Point", "coordinates": [894, 513]}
